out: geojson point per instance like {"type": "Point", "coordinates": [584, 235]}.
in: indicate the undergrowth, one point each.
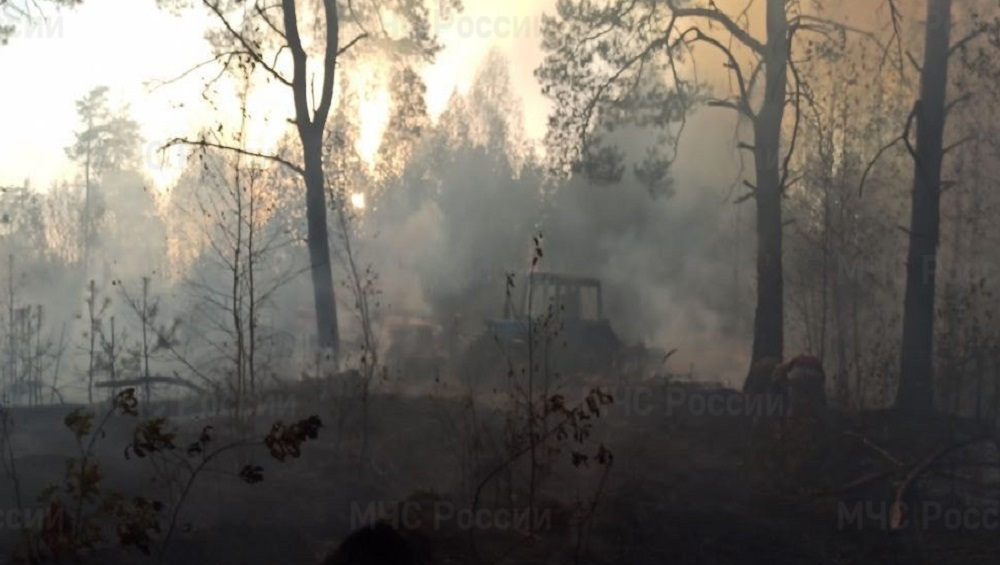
{"type": "Point", "coordinates": [82, 516]}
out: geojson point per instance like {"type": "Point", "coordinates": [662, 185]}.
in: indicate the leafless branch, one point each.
{"type": "Point", "coordinates": [351, 43]}
{"type": "Point", "coordinates": [717, 16]}
{"type": "Point", "coordinates": [904, 137]}
{"type": "Point", "coordinates": [876, 448]}
{"type": "Point", "coordinates": [329, 60]}
{"type": "Point", "coordinates": [299, 59]}
{"type": "Point", "coordinates": [795, 128]}
{"type": "Point", "coordinates": [896, 516]}
{"type": "Point", "coordinates": [914, 62]}
{"type": "Point", "coordinates": [250, 50]}
{"type": "Point", "coordinates": [267, 20]}
{"type": "Point", "coordinates": [228, 56]}
{"type": "Point", "coordinates": [961, 99]}
{"type": "Point", "coordinates": [717, 103]}
{"type": "Point", "coordinates": [958, 143]}
{"type": "Point", "coordinates": [896, 18]}
{"type": "Point", "coordinates": [744, 96]}
{"type": "Point", "coordinates": [914, 114]}
{"type": "Point", "coordinates": [825, 26]}
{"type": "Point", "coordinates": [965, 40]}
{"type": "Point", "coordinates": [204, 143]}
{"type": "Point", "coordinates": [754, 74]}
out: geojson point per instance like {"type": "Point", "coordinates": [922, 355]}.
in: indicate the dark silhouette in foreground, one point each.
{"type": "Point", "coordinates": [381, 544]}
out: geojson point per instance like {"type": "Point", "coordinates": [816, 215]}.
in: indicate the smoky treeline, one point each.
{"type": "Point", "coordinates": [107, 278]}
{"type": "Point", "coordinates": [448, 211]}
{"type": "Point", "coordinates": [299, 312]}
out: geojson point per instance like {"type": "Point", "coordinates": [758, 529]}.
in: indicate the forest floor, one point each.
{"type": "Point", "coordinates": [685, 486]}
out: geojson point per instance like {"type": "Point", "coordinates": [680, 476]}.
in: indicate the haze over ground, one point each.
{"type": "Point", "coordinates": [61, 59]}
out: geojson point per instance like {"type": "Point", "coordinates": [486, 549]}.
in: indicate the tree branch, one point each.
{"type": "Point", "coordinates": [905, 137]}
{"type": "Point", "coordinates": [228, 56]}
{"type": "Point", "coordinates": [754, 74]}
{"type": "Point", "coordinates": [299, 90]}
{"type": "Point", "coordinates": [329, 61]}
{"type": "Point", "coordinates": [824, 26]}
{"type": "Point", "coordinates": [588, 110]}
{"type": "Point", "coordinates": [251, 50]}
{"type": "Point", "coordinates": [965, 40]}
{"type": "Point", "coordinates": [716, 15]}
{"type": "Point", "coordinates": [958, 143]}
{"type": "Point", "coordinates": [351, 43]}
{"type": "Point", "coordinates": [896, 514]}
{"type": "Point", "coordinates": [795, 127]}
{"type": "Point", "coordinates": [951, 105]}
{"type": "Point", "coordinates": [914, 114]}
{"type": "Point", "coordinates": [897, 19]}
{"type": "Point", "coordinates": [914, 62]}
{"type": "Point", "coordinates": [267, 20]}
{"type": "Point", "coordinates": [719, 103]}
{"type": "Point", "coordinates": [744, 96]}
{"type": "Point", "coordinates": [204, 143]}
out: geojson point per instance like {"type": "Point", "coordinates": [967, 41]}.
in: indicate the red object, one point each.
{"type": "Point", "coordinates": [806, 361]}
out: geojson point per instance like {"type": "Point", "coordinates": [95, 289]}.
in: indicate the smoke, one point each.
{"type": "Point", "coordinates": [677, 270]}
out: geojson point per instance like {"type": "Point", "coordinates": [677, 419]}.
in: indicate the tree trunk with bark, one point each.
{"type": "Point", "coordinates": [768, 326]}
{"type": "Point", "coordinates": [916, 388]}
{"type": "Point", "coordinates": [311, 125]}
{"type": "Point", "coordinates": [319, 244]}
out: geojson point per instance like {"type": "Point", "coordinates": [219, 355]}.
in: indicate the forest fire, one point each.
{"type": "Point", "coordinates": [562, 281]}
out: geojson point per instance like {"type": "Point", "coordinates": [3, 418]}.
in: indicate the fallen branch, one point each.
{"type": "Point", "coordinates": [896, 514]}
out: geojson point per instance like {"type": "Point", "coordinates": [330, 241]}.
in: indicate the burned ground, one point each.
{"type": "Point", "coordinates": [685, 486]}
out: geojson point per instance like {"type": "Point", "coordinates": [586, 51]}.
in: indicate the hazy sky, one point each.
{"type": "Point", "coordinates": [49, 65]}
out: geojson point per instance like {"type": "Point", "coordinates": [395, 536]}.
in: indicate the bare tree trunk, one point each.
{"type": "Point", "coordinates": [768, 325]}
{"type": "Point", "coordinates": [310, 127]}
{"type": "Point", "coordinates": [319, 244]}
{"type": "Point", "coordinates": [87, 227]}
{"type": "Point", "coordinates": [36, 386]}
{"type": "Point", "coordinates": [916, 387]}
{"type": "Point", "coordinates": [252, 306]}
{"type": "Point", "coordinates": [236, 306]}
{"type": "Point", "coordinates": [824, 307]}
{"type": "Point", "coordinates": [91, 300]}
{"type": "Point", "coordinates": [11, 363]}
{"type": "Point", "coordinates": [54, 389]}
{"type": "Point", "coordinates": [145, 338]}
{"type": "Point", "coordinates": [859, 381]}
{"type": "Point", "coordinates": [111, 350]}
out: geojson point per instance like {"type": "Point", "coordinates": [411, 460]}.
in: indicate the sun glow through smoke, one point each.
{"type": "Point", "coordinates": [373, 116]}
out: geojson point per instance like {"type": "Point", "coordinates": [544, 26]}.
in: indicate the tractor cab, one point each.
{"type": "Point", "coordinates": [573, 300]}
{"type": "Point", "coordinates": [569, 330]}
{"type": "Point", "coordinates": [586, 342]}
{"type": "Point", "coordinates": [576, 298]}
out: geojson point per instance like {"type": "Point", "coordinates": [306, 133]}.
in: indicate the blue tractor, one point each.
{"type": "Point", "coordinates": [553, 328]}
